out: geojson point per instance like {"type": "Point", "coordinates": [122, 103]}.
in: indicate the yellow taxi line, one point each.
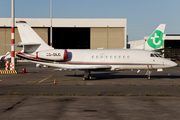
{"type": "Point", "coordinates": [44, 79]}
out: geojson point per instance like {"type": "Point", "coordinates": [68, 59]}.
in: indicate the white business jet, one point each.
{"type": "Point", "coordinates": [37, 51]}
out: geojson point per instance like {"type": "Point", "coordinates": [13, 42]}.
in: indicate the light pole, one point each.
{"type": "Point", "coordinates": [12, 64]}
{"type": "Point", "coordinates": [51, 23]}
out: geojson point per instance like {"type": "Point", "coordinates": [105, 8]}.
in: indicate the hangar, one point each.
{"type": "Point", "coordinates": [70, 33]}
{"type": "Point", "coordinates": [172, 46]}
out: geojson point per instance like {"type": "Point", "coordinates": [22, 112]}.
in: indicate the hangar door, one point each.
{"type": "Point", "coordinates": [172, 49]}
{"type": "Point", "coordinates": [71, 38]}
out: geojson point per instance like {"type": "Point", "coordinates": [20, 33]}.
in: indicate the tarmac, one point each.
{"type": "Point", "coordinates": [108, 95]}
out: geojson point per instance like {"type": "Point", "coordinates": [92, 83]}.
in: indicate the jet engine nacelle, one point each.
{"type": "Point", "coordinates": [56, 55]}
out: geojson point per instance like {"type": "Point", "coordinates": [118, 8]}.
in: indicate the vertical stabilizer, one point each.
{"type": "Point", "coordinates": [31, 40]}
{"type": "Point", "coordinates": [156, 40]}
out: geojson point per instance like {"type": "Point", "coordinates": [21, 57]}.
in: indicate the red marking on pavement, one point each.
{"type": "Point", "coordinates": [28, 74]}
{"type": "Point", "coordinates": [2, 80]}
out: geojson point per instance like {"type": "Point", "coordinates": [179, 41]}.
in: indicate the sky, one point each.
{"type": "Point", "coordinates": [143, 16]}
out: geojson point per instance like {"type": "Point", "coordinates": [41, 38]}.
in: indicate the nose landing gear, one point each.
{"type": "Point", "coordinates": [148, 73]}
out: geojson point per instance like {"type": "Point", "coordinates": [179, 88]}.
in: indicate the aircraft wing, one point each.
{"type": "Point", "coordinates": [88, 68]}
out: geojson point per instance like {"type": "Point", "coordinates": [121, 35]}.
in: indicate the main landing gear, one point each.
{"type": "Point", "coordinates": [87, 75]}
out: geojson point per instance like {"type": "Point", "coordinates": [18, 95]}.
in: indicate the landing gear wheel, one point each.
{"type": "Point", "coordinates": [86, 77]}
{"type": "Point", "coordinates": [148, 77]}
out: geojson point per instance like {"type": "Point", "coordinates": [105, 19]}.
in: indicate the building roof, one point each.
{"type": "Point", "coordinates": [46, 22]}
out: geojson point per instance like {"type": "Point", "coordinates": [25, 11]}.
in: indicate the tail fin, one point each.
{"type": "Point", "coordinates": [156, 40]}
{"type": "Point", "coordinates": [31, 41]}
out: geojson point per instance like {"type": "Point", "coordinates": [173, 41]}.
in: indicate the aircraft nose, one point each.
{"type": "Point", "coordinates": [172, 64]}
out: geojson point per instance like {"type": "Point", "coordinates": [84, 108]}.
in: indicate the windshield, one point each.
{"type": "Point", "coordinates": [155, 55]}
{"type": "Point", "coordinates": [158, 54]}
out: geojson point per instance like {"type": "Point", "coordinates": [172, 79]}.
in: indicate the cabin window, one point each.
{"type": "Point", "coordinates": [96, 57]}
{"type": "Point", "coordinates": [93, 57]}
{"type": "Point", "coordinates": [106, 57]}
{"type": "Point", "coordinates": [124, 56]}
{"type": "Point", "coordinates": [114, 57]}
{"type": "Point", "coordinates": [111, 57]}
{"type": "Point", "coordinates": [128, 57]}
{"type": "Point", "coordinates": [101, 57]}
{"type": "Point", "coordinates": [119, 57]}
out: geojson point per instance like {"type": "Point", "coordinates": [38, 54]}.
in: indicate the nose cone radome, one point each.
{"type": "Point", "coordinates": [172, 64]}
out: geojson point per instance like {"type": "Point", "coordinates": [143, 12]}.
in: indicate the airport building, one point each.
{"type": "Point", "coordinates": [70, 33]}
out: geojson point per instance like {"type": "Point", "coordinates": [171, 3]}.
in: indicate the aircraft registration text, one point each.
{"type": "Point", "coordinates": [53, 54]}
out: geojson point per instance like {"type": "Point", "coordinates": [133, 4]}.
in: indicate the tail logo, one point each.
{"type": "Point", "coordinates": [156, 40]}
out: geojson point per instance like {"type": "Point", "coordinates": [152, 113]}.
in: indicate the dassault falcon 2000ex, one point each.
{"type": "Point", "coordinates": [87, 60]}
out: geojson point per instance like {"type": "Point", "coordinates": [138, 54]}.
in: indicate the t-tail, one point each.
{"type": "Point", "coordinates": [34, 47]}
{"type": "Point", "coordinates": [30, 40]}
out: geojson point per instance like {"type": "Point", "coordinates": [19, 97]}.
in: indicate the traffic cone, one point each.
{"type": "Point", "coordinates": [54, 81]}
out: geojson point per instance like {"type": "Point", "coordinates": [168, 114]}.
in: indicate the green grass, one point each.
{"type": "Point", "coordinates": [118, 84]}
{"type": "Point", "coordinates": [130, 94]}
{"type": "Point", "coordinates": [129, 84]}
{"type": "Point", "coordinates": [147, 94]}
{"type": "Point", "coordinates": [98, 94]}
{"type": "Point", "coordinates": [9, 92]}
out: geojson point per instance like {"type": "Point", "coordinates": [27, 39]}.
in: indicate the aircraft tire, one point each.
{"type": "Point", "coordinates": [149, 78]}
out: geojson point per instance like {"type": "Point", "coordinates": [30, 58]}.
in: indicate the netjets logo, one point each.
{"type": "Point", "coordinates": [156, 41]}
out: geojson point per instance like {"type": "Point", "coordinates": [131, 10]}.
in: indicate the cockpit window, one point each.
{"type": "Point", "coordinates": [158, 54]}
{"type": "Point", "coordinates": [155, 55]}
{"type": "Point", "coordinates": [152, 55]}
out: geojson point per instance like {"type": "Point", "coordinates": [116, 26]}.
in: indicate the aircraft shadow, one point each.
{"type": "Point", "coordinates": [102, 76]}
